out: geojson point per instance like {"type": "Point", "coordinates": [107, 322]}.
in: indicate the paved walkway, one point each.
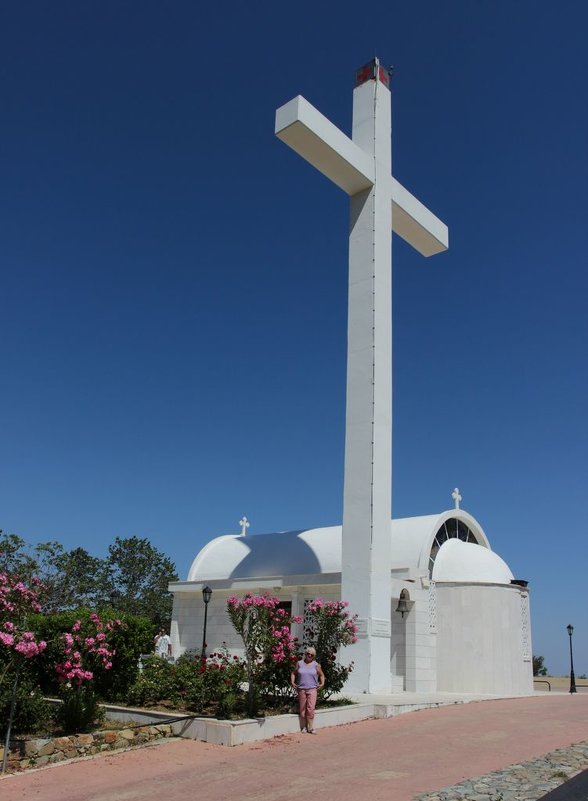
{"type": "Point", "coordinates": [394, 759]}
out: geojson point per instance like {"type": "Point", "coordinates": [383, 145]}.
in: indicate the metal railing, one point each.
{"type": "Point", "coordinates": [542, 681]}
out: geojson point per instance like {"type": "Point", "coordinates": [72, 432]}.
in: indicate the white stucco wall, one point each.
{"type": "Point", "coordinates": [188, 616]}
{"type": "Point", "coordinates": [483, 639]}
{"type": "Point", "coordinates": [188, 623]}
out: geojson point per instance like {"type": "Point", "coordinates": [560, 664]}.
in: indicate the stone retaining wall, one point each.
{"type": "Point", "coordinates": [33, 752]}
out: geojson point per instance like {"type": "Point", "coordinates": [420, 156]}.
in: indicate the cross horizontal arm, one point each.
{"type": "Point", "coordinates": [301, 126]}
{"type": "Point", "coordinates": [416, 224]}
{"type": "Point", "coordinates": [316, 139]}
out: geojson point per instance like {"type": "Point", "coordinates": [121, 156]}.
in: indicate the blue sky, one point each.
{"type": "Point", "coordinates": [173, 278]}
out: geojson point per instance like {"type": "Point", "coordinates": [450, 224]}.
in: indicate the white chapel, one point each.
{"type": "Point", "coordinates": [466, 624]}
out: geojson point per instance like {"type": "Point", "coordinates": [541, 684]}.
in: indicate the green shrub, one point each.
{"type": "Point", "coordinates": [79, 711]}
{"type": "Point", "coordinates": [157, 682]}
{"type": "Point", "coordinates": [216, 682]}
{"type": "Point", "coordinates": [32, 713]}
{"type": "Point", "coordinates": [211, 686]}
{"type": "Point", "coordinates": [129, 641]}
{"type": "Point", "coordinates": [133, 637]}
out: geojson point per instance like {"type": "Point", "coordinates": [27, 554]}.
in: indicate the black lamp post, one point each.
{"type": "Point", "coordinates": [206, 593]}
{"type": "Point", "coordinates": [572, 677]}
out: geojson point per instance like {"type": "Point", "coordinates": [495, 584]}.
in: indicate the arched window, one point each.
{"type": "Point", "coordinates": [451, 529]}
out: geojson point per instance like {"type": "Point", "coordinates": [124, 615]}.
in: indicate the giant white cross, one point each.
{"type": "Point", "coordinates": [362, 167]}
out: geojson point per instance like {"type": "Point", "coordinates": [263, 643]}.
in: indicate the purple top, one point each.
{"type": "Point", "coordinates": [307, 675]}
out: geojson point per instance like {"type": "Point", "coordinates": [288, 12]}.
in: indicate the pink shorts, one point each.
{"type": "Point", "coordinates": [307, 702]}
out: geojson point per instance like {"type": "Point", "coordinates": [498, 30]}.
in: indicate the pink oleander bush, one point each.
{"type": "Point", "coordinates": [17, 603]}
{"type": "Point", "coordinates": [271, 651]}
{"type": "Point", "coordinates": [331, 627]}
{"type": "Point", "coordinates": [77, 655]}
{"type": "Point", "coordinates": [85, 648]}
{"type": "Point", "coordinates": [21, 703]}
{"type": "Point", "coordinates": [133, 637]}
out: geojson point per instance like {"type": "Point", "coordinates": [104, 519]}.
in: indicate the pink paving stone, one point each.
{"type": "Point", "coordinates": [390, 759]}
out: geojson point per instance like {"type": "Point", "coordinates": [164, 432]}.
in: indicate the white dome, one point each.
{"type": "Point", "coordinates": [287, 553]}
{"type": "Point", "coordinates": [465, 562]}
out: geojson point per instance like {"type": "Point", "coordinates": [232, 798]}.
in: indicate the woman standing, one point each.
{"type": "Point", "coordinates": [306, 680]}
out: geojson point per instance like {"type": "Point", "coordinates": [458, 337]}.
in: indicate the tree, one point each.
{"type": "Point", "coordinates": [539, 668]}
{"type": "Point", "coordinates": [15, 558]}
{"type": "Point", "coordinates": [73, 579]}
{"type": "Point", "coordinates": [138, 575]}
{"type": "Point", "coordinates": [69, 579]}
{"type": "Point", "coordinates": [132, 579]}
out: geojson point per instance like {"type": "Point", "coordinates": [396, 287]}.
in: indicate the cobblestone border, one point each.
{"type": "Point", "coordinates": [527, 781]}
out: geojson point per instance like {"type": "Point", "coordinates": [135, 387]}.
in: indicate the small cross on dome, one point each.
{"type": "Point", "coordinates": [456, 497]}
{"type": "Point", "coordinates": [244, 523]}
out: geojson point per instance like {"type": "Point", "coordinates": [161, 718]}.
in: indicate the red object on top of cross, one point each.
{"type": "Point", "coordinates": [372, 71]}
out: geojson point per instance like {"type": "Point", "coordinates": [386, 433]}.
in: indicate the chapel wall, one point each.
{"type": "Point", "coordinates": [484, 639]}
{"type": "Point", "coordinates": [187, 624]}
{"type": "Point", "coordinates": [420, 640]}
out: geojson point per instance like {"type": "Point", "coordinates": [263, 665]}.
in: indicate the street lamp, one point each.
{"type": "Point", "coordinates": [572, 677]}
{"type": "Point", "coordinates": [206, 593]}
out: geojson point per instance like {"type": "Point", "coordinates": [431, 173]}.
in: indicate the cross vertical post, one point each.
{"type": "Point", "coordinates": [367, 493]}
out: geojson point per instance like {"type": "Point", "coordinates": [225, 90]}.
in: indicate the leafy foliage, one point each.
{"type": "Point", "coordinates": [133, 578]}
{"type": "Point", "coordinates": [32, 712]}
{"type": "Point", "coordinates": [157, 682]}
{"type": "Point", "coordinates": [213, 684]}
{"type": "Point", "coordinates": [539, 668]}
{"type": "Point", "coordinates": [270, 649]}
{"type": "Point", "coordinates": [139, 574]}
{"type": "Point", "coordinates": [128, 641]}
{"type": "Point", "coordinates": [18, 644]}
{"type": "Point", "coordinates": [72, 578]}
{"type": "Point", "coordinates": [331, 627]}
{"type": "Point", "coordinates": [15, 558]}
{"type": "Point", "coordinates": [79, 711]}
